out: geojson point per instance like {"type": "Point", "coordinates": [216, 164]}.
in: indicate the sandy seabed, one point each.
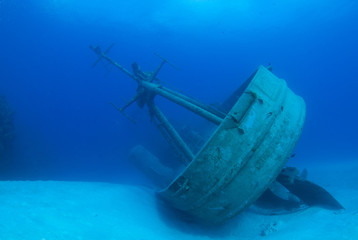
{"type": "Point", "coordinates": [49, 210]}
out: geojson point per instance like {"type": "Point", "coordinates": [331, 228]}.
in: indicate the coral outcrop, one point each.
{"type": "Point", "coordinates": [7, 132]}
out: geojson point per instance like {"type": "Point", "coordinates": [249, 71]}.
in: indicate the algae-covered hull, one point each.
{"type": "Point", "coordinates": [244, 155]}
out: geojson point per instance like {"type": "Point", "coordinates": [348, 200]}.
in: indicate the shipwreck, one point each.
{"type": "Point", "coordinates": [257, 128]}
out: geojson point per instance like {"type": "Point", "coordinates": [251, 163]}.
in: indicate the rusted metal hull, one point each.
{"type": "Point", "coordinates": [244, 155]}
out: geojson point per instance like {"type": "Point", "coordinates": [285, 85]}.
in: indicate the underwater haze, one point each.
{"type": "Point", "coordinates": [73, 167]}
{"type": "Point", "coordinates": [65, 126]}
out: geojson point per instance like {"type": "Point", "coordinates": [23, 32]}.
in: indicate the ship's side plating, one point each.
{"type": "Point", "coordinates": [244, 155]}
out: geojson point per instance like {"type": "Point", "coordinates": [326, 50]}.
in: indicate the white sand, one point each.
{"type": "Point", "coordinates": [83, 210]}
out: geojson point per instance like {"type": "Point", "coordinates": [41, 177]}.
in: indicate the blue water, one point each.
{"type": "Point", "coordinates": [67, 130]}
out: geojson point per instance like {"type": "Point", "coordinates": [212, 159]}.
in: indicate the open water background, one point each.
{"type": "Point", "coordinates": [67, 130]}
